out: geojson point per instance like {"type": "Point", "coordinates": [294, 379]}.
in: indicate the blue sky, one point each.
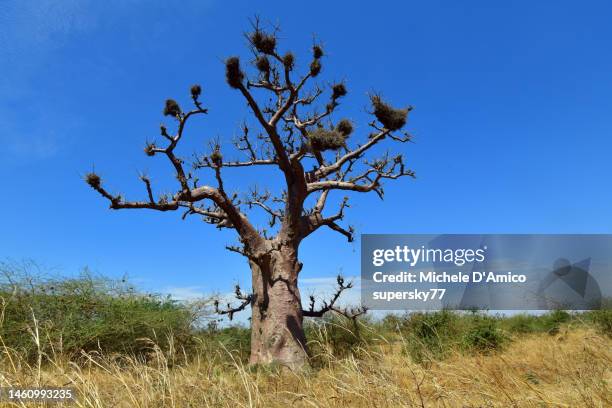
{"type": "Point", "coordinates": [512, 123]}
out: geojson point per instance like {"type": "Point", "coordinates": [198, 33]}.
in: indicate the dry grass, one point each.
{"type": "Point", "coordinates": [571, 369]}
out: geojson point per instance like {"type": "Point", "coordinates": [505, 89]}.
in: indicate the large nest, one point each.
{"type": "Point", "coordinates": [288, 60]}
{"type": "Point", "coordinates": [263, 42]}
{"type": "Point", "coordinates": [315, 67]}
{"type": "Point", "coordinates": [93, 180]}
{"type": "Point", "coordinates": [322, 139]}
{"type": "Point", "coordinates": [216, 157]}
{"type": "Point", "coordinates": [172, 108]}
{"type": "Point", "coordinates": [263, 64]}
{"type": "Point", "coordinates": [150, 149]}
{"type": "Point", "coordinates": [338, 90]}
{"type": "Point", "coordinates": [196, 91]}
{"type": "Point", "coordinates": [391, 118]}
{"type": "Point", "coordinates": [345, 127]}
{"type": "Point", "coordinates": [233, 74]}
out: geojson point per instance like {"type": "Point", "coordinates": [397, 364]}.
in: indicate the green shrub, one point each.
{"type": "Point", "coordinates": [551, 322]}
{"type": "Point", "coordinates": [335, 336]}
{"type": "Point", "coordinates": [234, 339]}
{"type": "Point", "coordinates": [521, 324]}
{"type": "Point", "coordinates": [88, 313]}
{"type": "Point", "coordinates": [436, 335]}
{"type": "Point", "coordinates": [602, 320]}
{"type": "Point", "coordinates": [483, 334]}
{"type": "Point", "coordinates": [392, 323]}
{"type": "Point", "coordinates": [430, 335]}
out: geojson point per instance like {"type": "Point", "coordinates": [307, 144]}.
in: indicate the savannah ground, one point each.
{"type": "Point", "coordinates": [570, 369]}
{"type": "Point", "coordinates": [121, 348]}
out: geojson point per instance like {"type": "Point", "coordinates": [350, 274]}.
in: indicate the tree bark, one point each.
{"type": "Point", "coordinates": [277, 331]}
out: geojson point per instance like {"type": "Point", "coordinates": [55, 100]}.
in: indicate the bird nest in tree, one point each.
{"type": "Point", "coordinates": [93, 180]}
{"type": "Point", "coordinates": [315, 67]}
{"type": "Point", "coordinates": [196, 91]}
{"type": "Point", "coordinates": [391, 118]}
{"type": "Point", "coordinates": [263, 64]}
{"type": "Point", "coordinates": [338, 90]}
{"type": "Point", "coordinates": [172, 108]}
{"type": "Point", "coordinates": [233, 73]}
{"type": "Point", "coordinates": [345, 127]}
{"type": "Point", "coordinates": [288, 60]}
{"type": "Point", "coordinates": [263, 42]}
{"type": "Point", "coordinates": [322, 139]}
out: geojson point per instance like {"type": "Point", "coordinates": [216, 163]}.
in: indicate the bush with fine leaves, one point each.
{"type": "Point", "coordinates": [87, 313]}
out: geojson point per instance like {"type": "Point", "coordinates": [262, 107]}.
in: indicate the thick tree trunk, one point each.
{"type": "Point", "coordinates": [277, 332]}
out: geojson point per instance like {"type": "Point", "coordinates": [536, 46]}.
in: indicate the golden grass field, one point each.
{"type": "Point", "coordinates": [569, 369]}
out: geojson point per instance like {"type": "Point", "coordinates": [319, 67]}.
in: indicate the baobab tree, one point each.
{"type": "Point", "coordinates": [296, 129]}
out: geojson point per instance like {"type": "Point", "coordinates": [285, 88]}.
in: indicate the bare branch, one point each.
{"type": "Point", "coordinates": [369, 180]}
{"type": "Point", "coordinates": [244, 144]}
{"type": "Point", "coordinates": [351, 155]}
{"type": "Point", "coordinates": [329, 305]}
{"type": "Point", "coordinates": [231, 218]}
{"type": "Point", "coordinates": [352, 312]}
{"type": "Point", "coordinates": [314, 219]}
{"type": "Point", "coordinates": [293, 101]}
{"type": "Point", "coordinates": [321, 201]}
{"type": "Point", "coordinates": [210, 215]}
{"type": "Point", "coordinates": [348, 233]}
{"type": "Point", "coordinates": [270, 129]}
{"type": "Point", "coordinates": [238, 250]}
{"type": "Point", "coordinates": [147, 182]}
{"type": "Point", "coordinates": [229, 310]}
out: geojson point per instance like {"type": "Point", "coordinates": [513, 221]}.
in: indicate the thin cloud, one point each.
{"type": "Point", "coordinates": [185, 293]}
